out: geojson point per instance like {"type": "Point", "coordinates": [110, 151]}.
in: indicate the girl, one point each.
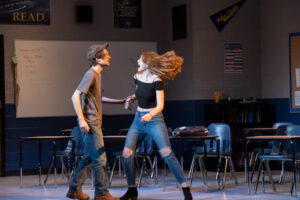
{"type": "Point", "coordinates": [153, 70]}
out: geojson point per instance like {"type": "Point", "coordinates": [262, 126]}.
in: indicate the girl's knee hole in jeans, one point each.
{"type": "Point", "coordinates": [166, 151]}
{"type": "Point", "coordinates": [127, 152]}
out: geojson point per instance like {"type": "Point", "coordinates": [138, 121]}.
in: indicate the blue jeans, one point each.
{"type": "Point", "coordinates": [94, 157]}
{"type": "Point", "coordinates": [157, 130]}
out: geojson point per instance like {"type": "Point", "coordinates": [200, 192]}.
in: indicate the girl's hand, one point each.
{"type": "Point", "coordinates": [130, 98]}
{"type": "Point", "coordinates": [147, 117]}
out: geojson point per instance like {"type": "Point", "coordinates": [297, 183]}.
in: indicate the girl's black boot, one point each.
{"type": "Point", "coordinates": [131, 194]}
{"type": "Point", "coordinates": [187, 193]}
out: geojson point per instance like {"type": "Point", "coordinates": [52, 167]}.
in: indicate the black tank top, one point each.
{"type": "Point", "coordinates": [146, 93]}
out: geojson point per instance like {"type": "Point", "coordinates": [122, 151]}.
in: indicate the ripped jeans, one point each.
{"type": "Point", "coordinates": [157, 130]}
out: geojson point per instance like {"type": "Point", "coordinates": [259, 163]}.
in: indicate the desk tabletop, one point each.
{"type": "Point", "coordinates": [274, 137]}
{"type": "Point", "coordinates": [46, 138]}
{"type": "Point", "coordinates": [170, 137]}
{"type": "Point", "coordinates": [114, 136]}
{"type": "Point", "coordinates": [193, 137]}
{"type": "Point", "coordinates": [67, 130]}
{"type": "Point", "coordinates": [266, 129]}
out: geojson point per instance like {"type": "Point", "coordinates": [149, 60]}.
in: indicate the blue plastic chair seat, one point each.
{"type": "Point", "coordinates": [272, 157]}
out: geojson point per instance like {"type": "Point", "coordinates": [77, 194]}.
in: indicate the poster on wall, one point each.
{"type": "Point", "coordinates": [127, 14]}
{"type": "Point", "coordinates": [233, 58]}
{"type": "Point", "coordinates": [30, 12]}
{"type": "Point", "coordinates": [294, 45]}
{"type": "Point", "coordinates": [297, 98]}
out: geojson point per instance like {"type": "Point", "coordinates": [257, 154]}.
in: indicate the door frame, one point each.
{"type": "Point", "coordinates": [2, 108]}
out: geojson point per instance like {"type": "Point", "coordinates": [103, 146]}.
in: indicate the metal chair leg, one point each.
{"type": "Point", "coordinates": [123, 166]}
{"type": "Point", "coordinates": [254, 166]}
{"type": "Point", "coordinates": [202, 168]}
{"type": "Point", "coordinates": [112, 172]}
{"type": "Point", "coordinates": [192, 166]}
{"type": "Point", "coordinates": [191, 174]}
{"type": "Point", "coordinates": [62, 166]}
{"type": "Point", "coordinates": [258, 176]}
{"type": "Point", "coordinates": [298, 170]}
{"type": "Point", "coordinates": [154, 168]}
{"type": "Point", "coordinates": [64, 169]}
{"type": "Point", "coordinates": [251, 158]}
{"type": "Point", "coordinates": [220, 163]}
{"type": "Point", "coordinates": [263, 176]}
{"type": "Point", "coordinates": [270, 174]}
{"type": "Point", "coordinates": [151, 164]}
{"type": "Point", "coordinates": [233, 170]}
{"type": "Point", "coordinates": [245, 169]}
{"type": "Point", "coordinates": [225, 171]}
{"type": "Point", "coordinates": [49, 170]}
{"type": "Point", "coordinates": [282, 174]}
{"type": "Point", "coordinates": [142, 171]}
{"type": "Point", "coordinates": [120, 163]}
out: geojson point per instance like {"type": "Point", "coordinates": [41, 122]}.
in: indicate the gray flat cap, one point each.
{"type": "Point", "coordinates": [95, 49]}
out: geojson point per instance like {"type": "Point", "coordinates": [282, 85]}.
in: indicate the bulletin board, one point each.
{"type": "Point", "coordinates": [294, 48]}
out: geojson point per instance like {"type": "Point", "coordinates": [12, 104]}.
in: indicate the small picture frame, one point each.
{"type": "Point", "coordinates": [83, 14]}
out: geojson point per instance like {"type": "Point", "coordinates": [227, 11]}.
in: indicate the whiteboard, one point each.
{"type": "Point", "coordinates": [50, 71]}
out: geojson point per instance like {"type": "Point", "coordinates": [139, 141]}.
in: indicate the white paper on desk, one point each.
{"type": "Point", "coordinates": [297, 98]}
{"type": "Point", "coordinates": [298, 77]}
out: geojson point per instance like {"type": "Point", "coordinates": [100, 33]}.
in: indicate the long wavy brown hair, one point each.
{"type": "Point", "coordinates": [165, 66]}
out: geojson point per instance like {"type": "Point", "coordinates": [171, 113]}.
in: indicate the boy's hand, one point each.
{"type": "Point", "coordinates": [84, 126]}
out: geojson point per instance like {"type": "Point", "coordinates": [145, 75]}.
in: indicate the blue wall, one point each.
{"type": "Point", "coordinates": [16, 128]}
{"type": "Point", "coordinates": [24, 127]}
{"type": "Point", "coordinates": [282, 110]}
{"type": "Point", "coordinates": [176, 113]}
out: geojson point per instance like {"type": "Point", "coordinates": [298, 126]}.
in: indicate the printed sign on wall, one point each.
{"type": "Point", "coordinates": [32, 12]}
{"type": "Point", "coordinates": [127, 14]}
{"type": "Point", "coordinates": [233, 58]}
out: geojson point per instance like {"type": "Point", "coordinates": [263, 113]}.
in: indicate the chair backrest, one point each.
{"type": "Point", "coordinates": [276, 125]}
{"type": "Point", "coordinates": [290, 130]}
{"type": "Point", "coordinates": [276, 146]}
{"type": "Point", "coordinates": [293, 130]}
{"type": "Point", "coordinates": [280, 130]}
{"type": "Point", "coordinates": [223, 131]}
{"type": "Point", "coordinates": [78, 139]}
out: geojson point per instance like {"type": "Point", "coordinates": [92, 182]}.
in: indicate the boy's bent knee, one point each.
{"type": "Point", "coordinates": [127, 152]}
{"type": "Point", "coordinates": [166, 151]}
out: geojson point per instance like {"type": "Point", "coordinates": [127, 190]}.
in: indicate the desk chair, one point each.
{"type": "Point", "coordinates": [280, 130]}
{"type": "Point", "coordinates": [67, 153]}
{"type": "Point", "coordinates": [142, 151]}
{"type": "Point", "coordinates": [281, 152]}
{"type": "Point", "coordinates": [223, 131]}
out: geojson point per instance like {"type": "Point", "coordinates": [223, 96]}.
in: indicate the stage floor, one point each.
{"type": "Point", "coordinates": [150, 189]}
